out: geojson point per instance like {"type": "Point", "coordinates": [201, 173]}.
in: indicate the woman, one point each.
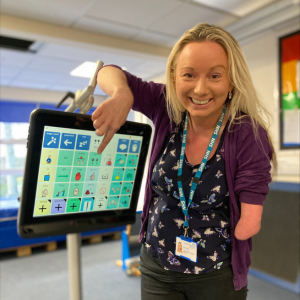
{"type": "Point", "coordinates": [209, 168]}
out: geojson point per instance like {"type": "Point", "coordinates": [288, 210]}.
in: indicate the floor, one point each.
{"type": "Point", "coordinates": [44, 276]}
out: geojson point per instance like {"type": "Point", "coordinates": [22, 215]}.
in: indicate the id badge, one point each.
{"type": "Point", "coordinates": [186, 248]}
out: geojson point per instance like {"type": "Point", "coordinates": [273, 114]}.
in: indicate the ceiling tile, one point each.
{"type": "Point", "coordinates": [186, 17]}
{"type": "Point", "coordinates": [34, 75]}
{"type": "Point", "coordinates": [122, 61]}
{"type": "Point", "coordinates": [155, 39]}
{"type": "Point", "coordinates": [64, 87]}
{"type": "Point", "coordinates": [157, 22]}
{"type": "Point", "coordinates": [67, 87]}
{"type": "Point", "coordinates": [4, 81]}
{"type": "Point", "coordinates": [79, 81]}
{"type": "Point", "coordinates": [70, 5]}
{"type": "Point", "coordinates": [12, 58]}
{"type": "Point", "coordinates": [81, 55]}
{"type": "Point", "coordinates": [9, 72]}
{"type": "Point", "coordinates": [151, 66]}
{"type": "Point", "coordinates": [133, 12]}
{"type": "Point", "coordinates": [53, 65]}
{"type": "Point", "coordinates": [239, 8]}
{"type": "Point", "coordinates": [30, 84]}
{"type": "Point", "coordinates": [54, 11]}
{"type": "Point", "coordinates": [105, 27]}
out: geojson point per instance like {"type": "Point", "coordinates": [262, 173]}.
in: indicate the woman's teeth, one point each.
{"type": "Point", "coordinates": [200, 102]}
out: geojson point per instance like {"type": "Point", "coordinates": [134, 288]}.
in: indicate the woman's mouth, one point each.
{"type": "Point", "coordinates": [200, 102]}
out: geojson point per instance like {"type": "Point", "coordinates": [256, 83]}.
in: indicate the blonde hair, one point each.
{"type": "Point", "coordinates": [244, 97]}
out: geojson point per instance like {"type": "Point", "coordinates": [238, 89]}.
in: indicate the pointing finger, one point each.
{"type": "Point", "coordinates": [107, 138]}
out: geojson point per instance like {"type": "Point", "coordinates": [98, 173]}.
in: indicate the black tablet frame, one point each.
{"type": "Point", "coordinates": [29, 226]}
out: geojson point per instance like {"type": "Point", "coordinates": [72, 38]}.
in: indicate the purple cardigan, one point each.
{"type": "Point", "coordinates": [247, 163]}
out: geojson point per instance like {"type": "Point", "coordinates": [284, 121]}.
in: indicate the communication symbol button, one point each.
{"type": "Point", "coordinates": [53, 140]}
{"type": "Point", "coordinates": [42, 208]}
{"type": "Point", "coordinates": [58, 207]}
{"type": "Point", "coordinates": [73, 206]}
{"type": "Point", "coordinates": [102, 190]}
{"type": "Point", "coordinates": [66, 142]}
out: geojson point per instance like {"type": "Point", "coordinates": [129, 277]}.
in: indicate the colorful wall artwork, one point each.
{"type": "Point", "coordinates": [290, 90]}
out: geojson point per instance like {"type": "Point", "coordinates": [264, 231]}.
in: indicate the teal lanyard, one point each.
{"type": "Point", "coordinates": [199, 171]}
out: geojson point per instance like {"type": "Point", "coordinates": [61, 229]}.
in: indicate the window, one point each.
{"type": "Point", "coordinates": [12, 158]}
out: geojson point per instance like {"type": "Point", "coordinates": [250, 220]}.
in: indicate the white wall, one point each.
{"type": "Point", "coordinates": [262, 56]}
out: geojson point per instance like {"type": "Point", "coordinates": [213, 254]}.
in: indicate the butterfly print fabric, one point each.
{"type": "Point", "coordinates": [208, 213]}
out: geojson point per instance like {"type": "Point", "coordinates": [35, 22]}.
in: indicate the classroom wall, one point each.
{"type": "Point", "coordinates": [262, 56]}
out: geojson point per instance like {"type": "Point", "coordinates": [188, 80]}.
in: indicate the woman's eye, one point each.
{"type": "Point", "coordinates": [215, 76]}
{"type": "Point", "coordinates": [188, 75]}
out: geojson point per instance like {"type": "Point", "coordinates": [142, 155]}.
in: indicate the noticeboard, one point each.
{"type": "Point", "coordinates": [289, 55]}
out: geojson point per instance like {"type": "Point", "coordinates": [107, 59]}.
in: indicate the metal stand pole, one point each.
{"type": "Point", "coordinates": [84, 101]}
{"type": "Point", "coordinates": [73, 245]}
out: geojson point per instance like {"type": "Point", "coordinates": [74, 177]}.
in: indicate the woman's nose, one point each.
{"type": "Point", "coordinates": [201, 87]}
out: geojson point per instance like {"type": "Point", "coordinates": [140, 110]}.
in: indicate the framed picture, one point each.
{"type": "Point", "coordinates": [289, 56]}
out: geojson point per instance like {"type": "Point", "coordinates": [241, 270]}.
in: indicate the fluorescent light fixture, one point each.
{"type": "Point", "coordinates": [86, 70]}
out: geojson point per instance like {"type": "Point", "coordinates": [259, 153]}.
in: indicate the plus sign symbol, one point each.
{"type": "Point", "coordinates": [42, 208]}
{"type": "Point", "coordinates": [58, 206]}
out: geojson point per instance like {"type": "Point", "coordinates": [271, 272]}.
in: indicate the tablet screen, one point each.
{"type": "Point", "coordinates": [68, 187]}
{"type": "Point", "coordinates": [73, 178]}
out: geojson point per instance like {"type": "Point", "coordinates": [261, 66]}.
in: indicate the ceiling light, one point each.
{"type": "Point", "coordinates": [86, 70]}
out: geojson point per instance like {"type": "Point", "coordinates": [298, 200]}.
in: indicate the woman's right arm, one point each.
{"type": "Point", "coordinates": [112, 113]}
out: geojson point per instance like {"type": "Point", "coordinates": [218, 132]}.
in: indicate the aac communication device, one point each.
{"type": "Point", "coordinates": [68, 187]}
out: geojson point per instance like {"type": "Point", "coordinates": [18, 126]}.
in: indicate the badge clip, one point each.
{"type": "Point", "coordinates": [186, 227]}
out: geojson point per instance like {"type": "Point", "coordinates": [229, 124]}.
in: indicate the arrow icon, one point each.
{"type": "Point", "coordinates": [66, 142]}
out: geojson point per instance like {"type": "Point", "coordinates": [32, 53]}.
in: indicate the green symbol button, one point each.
{"type": "Point", "coordinates": [63, 174]}
{"type": "Point", "coordinates": [73, 205]}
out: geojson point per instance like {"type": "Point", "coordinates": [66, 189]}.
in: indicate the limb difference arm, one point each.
{"type": "Point", "coordinates": [252, 178]}
{"type": "Point", "coordinates": [249, 222]}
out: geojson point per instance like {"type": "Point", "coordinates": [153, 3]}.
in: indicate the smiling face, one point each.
{"type": "Point", "coordinates": [201, 82]}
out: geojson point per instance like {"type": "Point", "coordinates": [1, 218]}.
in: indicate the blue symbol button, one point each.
{"type": "Point", "coordinates": [87, 204]}
{"type": "Point", "coordinates": [83, 142]}
{"type": "Point", "coordinates": [51, 139]}
{"type": "Point", "coordinates": [123, 146]}
{"type": "Point", "coordinates": [67, 141]}
{"type": "Point", "coordinates": [134, 146]}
